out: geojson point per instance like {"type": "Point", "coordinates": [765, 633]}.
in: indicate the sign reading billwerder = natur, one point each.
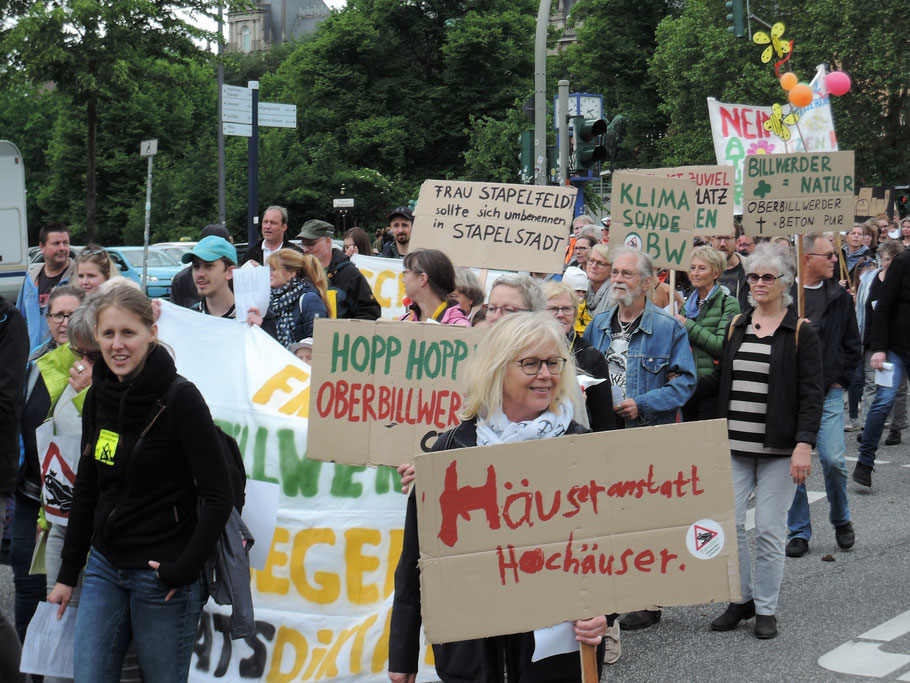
{"type": "Point", "coordinates": [495, 225]}
{"type": "Point", "coordinates": [383, 390]}
{"type": "Point", "coordinates": [787, 194]}
{"type": "Point", "coordinates": [655, 215]}
{"type": "Point", "coordinates": [527, 535]}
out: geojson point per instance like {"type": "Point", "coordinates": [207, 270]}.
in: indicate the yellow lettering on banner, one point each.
{"type": "Point", "coordinates": [357, 564]}
{"type": "Point", "coordinates": [330, 584]}
{"type": "Point", "coordinates": [380, 281]}
{"type": "Point", "coordinates": [381, 653]}
{"type": "Point", "coordinates": [300, 400]}
{"type": "Point", "coordinates": [396, 538]}
{"type": "Point", "coordinates": [287, 636]}
{"type": "Point", "coordinates": [329, 667]}
{"type": "Point", "coordinates": [106, 446]}
{"type": "Point", "coordinates": [266, 582]}
{"type": "Point", "coordinates": [325, 637]}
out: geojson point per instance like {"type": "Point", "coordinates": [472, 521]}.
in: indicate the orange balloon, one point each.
{"type": "Point", "coordinates": [800, 95]}
{"type": "Point", "coordinates": [788, 80]}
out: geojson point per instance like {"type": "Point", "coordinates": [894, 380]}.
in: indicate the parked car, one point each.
{"type": "Point", "coordinates": [161, 268]}
{"type": "Point", "coordinates": [175, 249]}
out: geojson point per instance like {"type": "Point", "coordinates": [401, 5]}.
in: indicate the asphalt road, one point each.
{"type": "Point", "coordinates": [827, 612]}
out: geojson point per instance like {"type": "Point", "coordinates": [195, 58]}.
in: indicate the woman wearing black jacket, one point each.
{"type": "Point", "coordinates": [769, 388]}
{"type": "Point", "coordinates": [145, 467]}
{"type": "Point", "coordinates": [518, 389]}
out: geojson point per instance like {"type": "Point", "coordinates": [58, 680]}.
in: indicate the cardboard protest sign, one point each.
{"type": "Point", "coordinates": [872, 201]}
{"type": "Point", "coordinates": [495, 225]}
{"type": "Point", "coordinates": [526, 535]}
{"type": "Point", "coordinates": [654, 215]}
{"type": "Point", "coordinates": [713, 195]}
{"type": "Point", "coordinates": [741, 129]}
{"type": "Point", "coordinates": [786, 194]}
{"type": "Point", "coordinates": [382, 391]}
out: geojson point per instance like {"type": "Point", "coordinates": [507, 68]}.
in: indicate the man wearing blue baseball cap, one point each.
{"type": "Point", "coordinates": [213, 261]}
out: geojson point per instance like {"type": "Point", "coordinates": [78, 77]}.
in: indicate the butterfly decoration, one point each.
{"type": "Point", "coordinates": [774, 42]}
{"type": "Point", "coordinates": [778, 123]}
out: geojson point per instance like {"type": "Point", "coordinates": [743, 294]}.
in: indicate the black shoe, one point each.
{"type": "Point", "coordinates": [733, 615]}
{"type": "Point", "coordinates": [862, 474]}
{"type": "Point", "coordinates": [765, 626]}
{"type": "Point", "coordinates": [859, 436]}
{"type": "Point", "coordinates": [797, 547]}
{"type": "Point", "coordinates": [893, 439]}
{"type": "Point", "coordinates": [640, 619]}
{"type": "Point", "coordinates": [845, 536]}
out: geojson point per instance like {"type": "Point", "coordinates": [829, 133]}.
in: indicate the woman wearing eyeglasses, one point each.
{"type": "Point", "coordinates": [769, 388]}
{"type": "Point", "coordinates": [47, 377]}
{"type": "Point", "coordinates": [513, 293]}
{"type": "Point", "coordinates": [598, 271]}
{"type": "Point", "coordinates": [518, 388]}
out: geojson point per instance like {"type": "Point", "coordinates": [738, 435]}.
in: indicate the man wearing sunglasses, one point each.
{"type": "Point", "coordinates": [829, 309]}
{"type": "Point", "coordinates": [58, 268]}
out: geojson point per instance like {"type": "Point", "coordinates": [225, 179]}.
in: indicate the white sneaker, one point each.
{"type": "Point", "coordinates": [851, 424]}
{"type": "Point", "coordinates": [612, 648]}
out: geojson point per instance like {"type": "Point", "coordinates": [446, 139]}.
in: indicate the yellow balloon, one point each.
{"type": "Point", "coordinates": [788, 80]}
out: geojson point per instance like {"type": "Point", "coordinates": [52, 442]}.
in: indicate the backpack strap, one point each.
{"type": "Point", "coordinates": [176, 383]}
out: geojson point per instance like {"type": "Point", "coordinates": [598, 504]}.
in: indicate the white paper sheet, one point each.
{"type": "Point", "coordinates": [48, 648]}
{"type": "Point", "coordinates": [885, 376]}
{"type": "Point", "coordinates": [251, 290]}
{"type": "Point", "coordinates": [554, 640]}
{"type": "Point", "coordinates": [586, 381]}
{"type": "Point", "coordinates": [260, 514]}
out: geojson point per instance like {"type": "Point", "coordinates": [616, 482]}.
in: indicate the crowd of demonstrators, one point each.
{"type": "Point", "coordinates": [58, 268]}
{"type": "Point", "coordinates": [519, 387]}
{"type": "Point", "coordinates": [400, 222]}
{"type": "Point", "coordinates": [350, 295]}
{"type": "Point", "coordinates": [468, 292]}
{"type": "Point", "coordinates": [356, 241]}
{"type": "Point", "coordinates": [274, 236]}
{"type": "Point", "coordinates": [705, 316]}
{"type": "Point", "coordinates": [769, 388]}
{"type": "Point", "coordinates": [183, 288]}
{"type": "Point", "coordinates": [429, 280]}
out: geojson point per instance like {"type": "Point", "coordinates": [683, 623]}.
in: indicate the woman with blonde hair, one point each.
{"type": "Point", "coordinates": [94, 267]}
{"type": "Point", "coordinates": [519, 387]}
{"type": "Point", "coordinates": [299, 295]}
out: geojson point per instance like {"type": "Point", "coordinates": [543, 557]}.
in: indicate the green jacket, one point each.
{"type": "Point", "coordinates": [706, 332]}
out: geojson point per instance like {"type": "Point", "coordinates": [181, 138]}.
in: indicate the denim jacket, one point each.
{"type": "Point", "coordinates": [658, 347]}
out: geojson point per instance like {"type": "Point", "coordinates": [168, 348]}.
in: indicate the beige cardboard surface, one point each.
{"type": "Point", "coordinates": [569, 528]}
{"type": "Point", "coordinates": [713, 195]}
{"type": "Point", "coordinates": [382, 390]}
{"type": "Point", "coordinates": [788, 194]}
{"type": "Point", "coordinates": [871, 201]}
{"type": "Point", "coordinates": [654, 215]}
{"type": "Point", "coordinates": [495, 225]}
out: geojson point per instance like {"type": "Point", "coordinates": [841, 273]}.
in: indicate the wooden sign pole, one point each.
{"type": "Point", "coordinates": [588, 654]}
{"type": "Point", "coordinates": [673, 292]}
{"type": "Point", "coordinates": [844, 272]}
{"type": "Point", "coordinates": [801, 300]}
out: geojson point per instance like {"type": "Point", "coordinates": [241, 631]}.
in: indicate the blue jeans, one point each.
{"type": "Point", "coordinates": [831, 450]}
{"type": "Point", "coordinates": [120, 604]}
{"type": "Point", "coordinates": [881, 406]}
{"type": "Point", "coordinates": [29, 587]}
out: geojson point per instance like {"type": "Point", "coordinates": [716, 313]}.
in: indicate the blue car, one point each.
{"type": "Point", "coordinates": [161, 268]}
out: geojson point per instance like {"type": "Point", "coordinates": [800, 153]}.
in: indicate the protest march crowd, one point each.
{"type": "Point", "coordinates": [609, 343]}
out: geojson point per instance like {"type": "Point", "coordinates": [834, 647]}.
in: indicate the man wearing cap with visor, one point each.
{"type": "Point", "coordinates": [400, 222]}
{"type": "Point", "coordinates": [183, 289]}
{"type": "Point", "coordinates": [349, 292]}
{"type": "Point", "coordinates": [213, 260]}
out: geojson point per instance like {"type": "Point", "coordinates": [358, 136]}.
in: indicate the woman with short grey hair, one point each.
{"type": "Point", "coordinates": [513, 293]}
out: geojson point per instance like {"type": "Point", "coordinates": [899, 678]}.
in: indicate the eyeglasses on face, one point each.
{"type": "Point", "coordinates": [560, 310]}
{"type": "Point", "coordinates": [490, 309]}
{"type": "Point", "coordinates": [59, 317]}
{"type": "Point", "coordinates": [624, 274]}
{"type": "Point", "coordinates": [531, 366]}
{"type": "Point", "coordinates": [830, 256]}
{"type": "Point", "coordinates": [595, 263]}
{"type": "Point", "coordinates": [766, 278]}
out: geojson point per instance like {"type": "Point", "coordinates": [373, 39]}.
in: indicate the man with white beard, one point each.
{"type": "Point", "coordinates": [649, 357]}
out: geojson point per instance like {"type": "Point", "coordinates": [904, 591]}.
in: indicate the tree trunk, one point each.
{"type": "Point", "coordinates": [90, 189]}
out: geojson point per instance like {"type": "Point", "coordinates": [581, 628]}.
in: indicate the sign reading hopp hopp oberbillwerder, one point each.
{"type": "Point", "coordinates": [527, 535]}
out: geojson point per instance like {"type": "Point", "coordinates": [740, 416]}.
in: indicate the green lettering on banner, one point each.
{"type": "Point", "coordinates": [386, 478]}
{"type": "Point", "coordinates": [298, 474]}
{"type": "Point", "coordinates": [343, 484]}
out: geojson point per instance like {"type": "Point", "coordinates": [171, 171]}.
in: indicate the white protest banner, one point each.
{"type": "Point", "coordinates": [495, 225]}
{"type": "Point", "coordinates": [713, 195]}
{"type": "Point", "coordinates": [322, 602]}
{"type": "Point", "coordinates": [739, 129]}
{"type": "Point", "coordinates": [59, 460]}
{"type": "Point", "coordinates": [522, 536]}
{"type": "Point", "coordinates": [654, 215]}
{"type": "Point", "coordinates": [786, 194]}
{"type": "Point", "coordinates": [382, 391]}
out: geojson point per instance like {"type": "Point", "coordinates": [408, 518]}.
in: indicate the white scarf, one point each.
{"type": "Point", "coordinates": [497, 428]}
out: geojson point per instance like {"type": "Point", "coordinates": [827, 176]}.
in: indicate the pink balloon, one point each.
{"type": "Point", "coordinates": [837, 83]}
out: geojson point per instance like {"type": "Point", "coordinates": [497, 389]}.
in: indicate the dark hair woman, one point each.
{"type": "Point", "coordinates": [356, 241]}
{"type": "Point", "coordinates": [143, 475]}
{"type": "Point", "coordinates": [429, 280]}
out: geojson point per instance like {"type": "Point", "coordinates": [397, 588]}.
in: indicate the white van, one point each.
{"type": "Point", "coordinates": [13, 227]}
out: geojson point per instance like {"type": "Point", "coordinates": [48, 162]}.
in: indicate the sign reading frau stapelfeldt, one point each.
{"type": "Point", "coordinates": [654, 215]}
{"type": "Point", "coordinates": [495, 225]}
{"type": "Point", "coordinates": [713, 195]}
{"type": "Point", "coordinates": [786, 194]}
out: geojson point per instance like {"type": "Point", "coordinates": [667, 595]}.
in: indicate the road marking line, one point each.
{"type": "Point", "coordinates": [891, 629]}
{"type": "Point", "coordinates": [811, 495]}
{"type": "Point", "coordinates": [862, 659]}
{"type": "Point", "coordinates": [877, 461]}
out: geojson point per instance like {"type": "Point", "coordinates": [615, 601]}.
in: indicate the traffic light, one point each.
{"type": "Point", "coordinates": [526, 156]}
{"type": "Point", "coordinates": [586, 137]}
{"type": "Point", "coordinates": [736, 17]}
